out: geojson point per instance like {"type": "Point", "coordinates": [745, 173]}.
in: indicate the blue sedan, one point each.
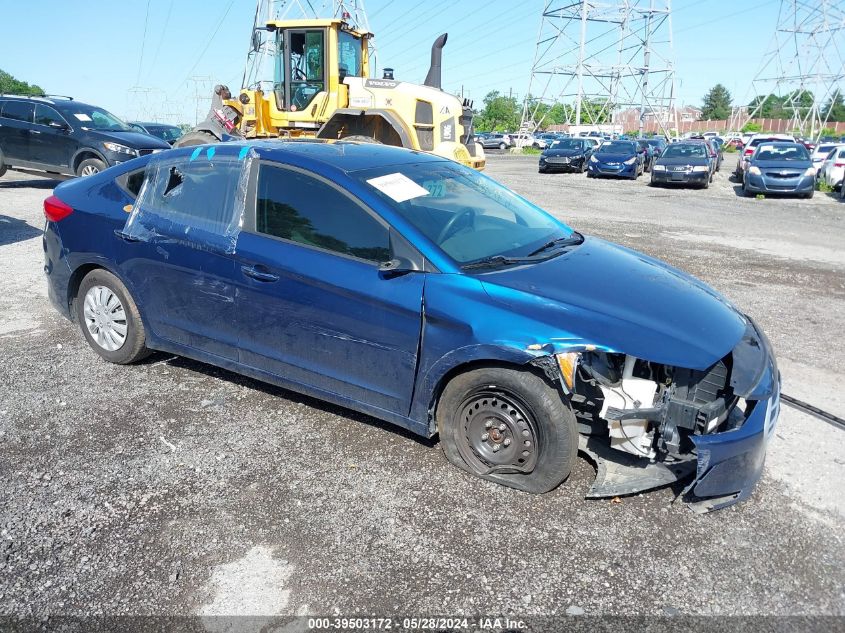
{"type": "Point", "coordinates": [622, 159]}
{"type": "Point", "coordinates": [418, 291]}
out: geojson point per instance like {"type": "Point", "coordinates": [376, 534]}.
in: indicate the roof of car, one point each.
{"type": "Point", "coordinates": [346, 156]}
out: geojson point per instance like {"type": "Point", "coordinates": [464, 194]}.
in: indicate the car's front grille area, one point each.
{"type": "Point", "coordinates": [783, 174]}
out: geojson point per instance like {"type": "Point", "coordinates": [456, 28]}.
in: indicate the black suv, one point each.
{"type": "Point", "coordinates": [63, 136]}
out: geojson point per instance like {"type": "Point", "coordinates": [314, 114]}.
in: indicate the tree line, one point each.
{"type": "Point", "coordinates": [717, 105]}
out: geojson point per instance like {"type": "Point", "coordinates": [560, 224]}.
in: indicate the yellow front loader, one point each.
{"type": "Point", "coordinates": [322, 88]}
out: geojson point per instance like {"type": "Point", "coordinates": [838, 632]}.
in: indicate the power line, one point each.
{"type": "Point", "coordinates": [143, 43]}
{"type": "Point", "coordinates": [208, 43]}
{"type": "Point", "coordinates": [163, 31]}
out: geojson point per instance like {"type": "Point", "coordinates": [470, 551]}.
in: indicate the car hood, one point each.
{"type": "Point", "coordinates": [619, 300]}
{"type": "Point", "coordinates": [135, 140]}
{"type": "Point", "coordinates": [682, 160]}
{"type": "Point", "coordinates": [614, 158]}
{"type": "Point", "coordinates": [563, 152]}
{"type": "Point", "coordinates": [792, 165]}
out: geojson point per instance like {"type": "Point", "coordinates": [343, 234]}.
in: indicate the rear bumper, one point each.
{"type": "Point", "coordinates": [56, 269]}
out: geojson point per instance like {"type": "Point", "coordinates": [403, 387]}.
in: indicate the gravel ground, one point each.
{"type": "Point", "coordinates": [172, 487]}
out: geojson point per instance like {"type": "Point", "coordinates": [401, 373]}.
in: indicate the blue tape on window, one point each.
{"type": "Point", "coordinates": [210, 153]}
{"type": "Point", "coordinates": [196, 153]}
{"type": "Point", "coordinates": [242, 154]}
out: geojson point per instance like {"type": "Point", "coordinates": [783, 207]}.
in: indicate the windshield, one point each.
{"type": "Point", "coordinates": [684, 151]}
{"type": "Point", "coordinates": [782, 152]}
{"type": "Point", "coordinates": [566, 144]}
{"type": "Point", "coordinates": [164, 132]}
{"type": "Point", "coordinates": [618, 147]}
{"type": "Point", "coordinates": [97, 119]}
{"type": "Point", "coordinates": [468, 215]}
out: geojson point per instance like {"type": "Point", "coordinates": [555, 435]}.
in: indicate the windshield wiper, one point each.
{"type": "Point", "coordinates": [496, 260]}
{"type": "Point", "coordinates": [561, 242]}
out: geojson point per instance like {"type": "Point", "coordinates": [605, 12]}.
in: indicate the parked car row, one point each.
{"type": "Point", "coordinates": [62, 136]}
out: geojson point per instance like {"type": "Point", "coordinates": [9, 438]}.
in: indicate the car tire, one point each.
{"type": "Point", "coordinates": [196, 138]}
{"type": "Point", "coordinates": [103, 307]}
{"type": "Point", "coordinates": [89, 167]}
{"type": "Point", "coordinates": [745, 191]}
{"type": "Point", "coordinates": [706, 184]}
{"type": "Point", "coordinates": [541, 170]}
{"type": "Point", "coordinates": [3, 167]}
{"type": "Point", "coordinates": [809, 195]}
{"type": "Point", "coordinates": [502, 146]}
{"type": "Point", "coordinates": [539, 428]}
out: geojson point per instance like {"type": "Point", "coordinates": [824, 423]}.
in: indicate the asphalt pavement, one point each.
{"type": "Point", "coordinates": [172, 487]}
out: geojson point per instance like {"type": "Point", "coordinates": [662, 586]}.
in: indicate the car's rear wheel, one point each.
{"type": "Point", "coordinates": [508, 426]}
{"type": "Point", "coordinates": [109, 318]}
{"type": "Point", "coordinates": [502, 146]}
{"type": "Point", "coordinates": [3, 167]}
{"type": "Point", "coordinates": [89, 167]}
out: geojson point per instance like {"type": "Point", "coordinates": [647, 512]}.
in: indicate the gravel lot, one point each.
{"type": "Point", "coordinates": [172, 487]}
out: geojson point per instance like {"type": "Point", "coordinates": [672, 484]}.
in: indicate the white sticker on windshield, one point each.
{"type": "Point", "coordinates": [82, 116]}
{"type": "Point", "coordinates": [398, 186]}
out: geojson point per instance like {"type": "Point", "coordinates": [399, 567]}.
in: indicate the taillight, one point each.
{"type": "Point", "coordinates": [839, 164]}
{"type": "Point", "coordinates": [56, 210]}
{"type": "Point", "coordinates": [749, 151]}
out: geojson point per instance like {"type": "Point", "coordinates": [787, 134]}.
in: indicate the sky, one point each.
{"type": "Point", "coordinates": [158, 59]}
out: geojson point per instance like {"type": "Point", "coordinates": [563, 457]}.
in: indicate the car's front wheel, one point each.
{"type": "Point", "coordinates": [109, 318]}
{"type": "Point", "coordinates": [509, 426]}
{"type": "Point", "coordinates": [502, 146]}
{"type": "Point", "coordinates": [3, 167]}
{"type": "Point", "coordinates": [90, 166]}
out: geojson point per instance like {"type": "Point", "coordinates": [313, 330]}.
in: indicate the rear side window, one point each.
{"type": "Point", "coordinates": [200, 202]}
{"type": "Point", "coordinates": [45, 115]}
{"type": "Point", "coordinates": [297, 207]}
{"type": "Point", "coordinates": [17, 111]}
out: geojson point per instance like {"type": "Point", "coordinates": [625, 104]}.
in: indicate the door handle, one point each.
{"type": "Point", "coordinates": [34, 132]}
{"type": "Point", "coordinates": [128, 238]}
{"type": "Point", "coordinates": [258, 274]}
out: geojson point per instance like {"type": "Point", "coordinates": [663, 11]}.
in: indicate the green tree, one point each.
{"type": "Point", "coordinates": [752, 127]}
{"type": "Point", "coordinates": [10, 85]}
{"type": "Point", "coordinates": [717, 103]}
{"type": "Point", "coordinates": [770, 106]}
{"type": "Point", "coordinates": [834, 110]}
{"type": "Point", "coordinates": [500, 113]}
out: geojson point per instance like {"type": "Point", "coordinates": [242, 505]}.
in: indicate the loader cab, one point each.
{"type": "Point", "coordinates": [312, 58]}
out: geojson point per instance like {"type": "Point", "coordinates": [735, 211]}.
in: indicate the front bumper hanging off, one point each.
{"type": "Point", "coordinates": [726, 465]}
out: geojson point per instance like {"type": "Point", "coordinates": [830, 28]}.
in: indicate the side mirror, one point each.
{"type": "Point", "coordinates": [395, 267]}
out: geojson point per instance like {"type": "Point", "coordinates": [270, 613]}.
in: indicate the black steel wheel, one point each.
{"type": "Point", "coordinates": [510, 426]}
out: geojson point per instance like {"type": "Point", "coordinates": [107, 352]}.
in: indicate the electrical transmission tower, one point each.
{"type": "Point", "coordinates": [804, 64]}
{"type": "Point", "coordinates": [604, 62]}
{"type": "Point", "coordinates": [258, 69]}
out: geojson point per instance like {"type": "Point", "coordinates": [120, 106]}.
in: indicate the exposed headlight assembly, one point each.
{"type": "Point", "coordinates": [568, 364]}
{"type": "Point", "coordinates": [117, 148]}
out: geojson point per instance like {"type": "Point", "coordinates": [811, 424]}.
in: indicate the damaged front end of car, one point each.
{"type": "Point", "coordinates": [647, 425]}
